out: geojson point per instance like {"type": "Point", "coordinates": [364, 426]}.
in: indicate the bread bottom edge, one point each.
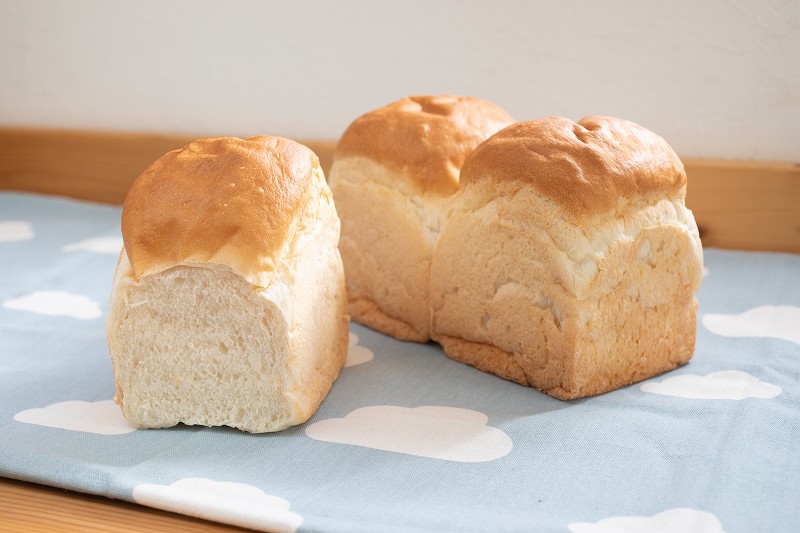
{"type": "Point", "coordinates": [489, 358]}
{"type": "Point", "coordinates": [366, 312]}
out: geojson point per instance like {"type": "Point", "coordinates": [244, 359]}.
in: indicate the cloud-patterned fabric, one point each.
{"type": "Point", "coordinates": [679, 520]}
{"type": "Point", "coordinates": [56, 303]}
{"type": "Point", "coordinates": [778, 321]}
{"type": "Point", "coordinates": [448, 433]}
{"type": "Point", "coordinates": [100, 418]}
{"type": "Point", "coordinates": [231, 502]}
{"type": "Point", "coordinates": [722, 385]}
{"type": "Point", "coordinates": [409, 440]}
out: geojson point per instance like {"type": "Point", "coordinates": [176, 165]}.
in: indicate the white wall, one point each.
{"type": "Point", "coordinates": [716, 79]}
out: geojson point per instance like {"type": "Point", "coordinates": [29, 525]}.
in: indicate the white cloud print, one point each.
{"type": "Point", "coordinates": [678, 520]}
{"type": "Point", "coordinates": [56, 303]}
{"type": "Point", "coordinates": [232, 503]}
{"type": "Point", "coordinates": [356, 354]}
{"type": "Point", "coordinates": [722, 385]}
{"type": "Point", "coordinates": [101, 418]}
{"type": "Point", "coordinates": [98, 245]}
{"type": "Point", "coordinates": [779, 321]}
{"type": "Point", "coordinates": [15, 230]}
{"type": "Point", "coordinates": [449, 433]}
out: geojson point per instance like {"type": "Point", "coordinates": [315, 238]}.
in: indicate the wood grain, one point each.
{"type": "Point", "coordinates": [746, 205]}
{"type": "Point", "coordinates": [737, 204]}
{"type": "Point", "coordinates": [26, 507]}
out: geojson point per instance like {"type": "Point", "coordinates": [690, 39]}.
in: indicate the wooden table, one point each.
{"type": "Point", "coordinates": [27, 507]}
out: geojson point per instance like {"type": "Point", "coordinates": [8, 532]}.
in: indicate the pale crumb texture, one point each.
{"type": "Point", "coordinates": [389, 227]}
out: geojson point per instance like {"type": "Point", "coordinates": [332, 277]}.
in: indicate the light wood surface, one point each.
{"type": "Point", "coordinates": [737, 204]}
{"type": "Point", "coordinates": [746, 205]}
{"type": "Point", "coordinates": [743, 205]}
{"type": "Point", "coordinates": [29, 508]}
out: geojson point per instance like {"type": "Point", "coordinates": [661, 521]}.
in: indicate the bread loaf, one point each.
{"type": "Point", "coordinates": [228, 305]}
{"type": "Point", "coordinates": [569, 261]}
{"type": "Point", "coordinates": [393, 170]}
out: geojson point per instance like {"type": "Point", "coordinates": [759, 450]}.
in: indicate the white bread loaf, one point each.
{"type": "Point", "coordinates": [393, 169]}
{"type": "Point", "coordinates": [228, 305]}
{"type": "Point", "coordinates": [569, 261]}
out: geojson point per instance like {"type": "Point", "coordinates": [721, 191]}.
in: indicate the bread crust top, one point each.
{"type": "Point", "coordinates": [226, 202]}
{"type": "Point", "coordinates": [426, 137]}
{"type": "Point", "coordinates": [585, 167]}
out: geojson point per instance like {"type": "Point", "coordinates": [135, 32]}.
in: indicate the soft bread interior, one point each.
{"type": "Point", "coordinates": [201, 345]}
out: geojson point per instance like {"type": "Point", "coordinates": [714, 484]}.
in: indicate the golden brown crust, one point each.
{"type": "Point", "coordinates": [485, 357]}
{"type": "Point", "coordinates": [425, 137]}
{"type": "Point", "coordinates": [586, 167]}
{"type": "Point", "coordinates": [226, 201]}
{"type": "Point", "coordinates": [513, 318]}
{"type": "Point", "coordinates": [368, 313]}
{"type": "Point", "coordinates": [489, 358]}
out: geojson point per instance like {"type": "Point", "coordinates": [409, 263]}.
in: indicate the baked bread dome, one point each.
{"type": "Point", "coordinates": [569, 261]}
{"type": "Point", "coordinates": [228, 305]}
{"type": "Point", "coordinates": [393, 170]}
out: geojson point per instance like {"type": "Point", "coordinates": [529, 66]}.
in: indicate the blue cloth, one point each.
{"type": "Point", "coordinates": [408, 440]}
